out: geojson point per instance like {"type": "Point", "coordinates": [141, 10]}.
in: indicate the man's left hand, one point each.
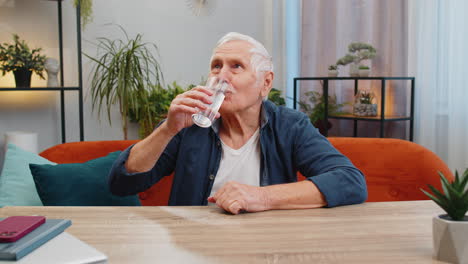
{"type": "Point", "coordinates": [235, 197]}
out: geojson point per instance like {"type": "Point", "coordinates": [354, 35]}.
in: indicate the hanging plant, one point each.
{"type": "Point", "coordinates": [86, 11]}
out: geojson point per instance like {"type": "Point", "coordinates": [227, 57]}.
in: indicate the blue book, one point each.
{"type": "Point", "coordinates": [20, 248]}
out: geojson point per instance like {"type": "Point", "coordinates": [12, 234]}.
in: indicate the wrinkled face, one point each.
{"type": "Point", "coordinates": [231, 61]}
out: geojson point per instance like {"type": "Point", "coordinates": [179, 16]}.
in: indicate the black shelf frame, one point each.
{"type": "Point", "coordinates": [40, 89]}
{"type": "Point", "coordinates": [382, 119]}
{"type": "Point", "coordinates": [62, 87]}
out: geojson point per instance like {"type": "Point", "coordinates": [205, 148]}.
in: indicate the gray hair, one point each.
{"type": "Point", "coordinates": [260, 60]}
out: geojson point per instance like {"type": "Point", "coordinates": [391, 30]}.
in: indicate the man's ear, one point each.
{"type": "Point", "coordinates": [267, 83]}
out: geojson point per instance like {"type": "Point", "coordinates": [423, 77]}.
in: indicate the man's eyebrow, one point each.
{"type": "Point", "coordinates": [237, 59]}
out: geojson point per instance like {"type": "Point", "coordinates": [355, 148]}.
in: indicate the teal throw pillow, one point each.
{"type": "Point", "coordinates": [78, 184]}
{"type": "Point", "coordinates": [16, 182]}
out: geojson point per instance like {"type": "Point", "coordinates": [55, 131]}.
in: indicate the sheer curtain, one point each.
{"type": "Point", "coordinates": [438, 37]}
{"type": "Point", "coordinates": [328, 27]}
{"type": "Point", "coordinates": [422, 38]}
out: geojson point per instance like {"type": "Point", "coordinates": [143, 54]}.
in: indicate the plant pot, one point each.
{"type": "Point", "coordinates": [365, 109]}
{"type": "Point", "coordinates": [364, 72]}
{"type": "Point", "coordinates": [23, 78]}
{"type": "Point", "coordinates": [322, 127]}
{"type": "Point", "coordinates": [450, 239]}
{"type": "Point", "coordinates": [354, 70]}
{"type": "Point", "coordinates": [332, 73]}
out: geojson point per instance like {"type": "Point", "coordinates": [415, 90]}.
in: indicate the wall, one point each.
{"type": "Point", "coordinates": [184, 40]}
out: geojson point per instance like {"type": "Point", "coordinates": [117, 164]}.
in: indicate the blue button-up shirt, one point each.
{"type": "Point", "coordinates": [289, 143]}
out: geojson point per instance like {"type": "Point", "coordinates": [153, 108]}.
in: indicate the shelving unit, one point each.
{"type": "Point", "coordinates": [382, 119]}
{"type": "Point", "coordinates": [62, 89]}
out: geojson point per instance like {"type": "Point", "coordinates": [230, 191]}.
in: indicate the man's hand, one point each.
{"type": "Point", "coordinates": [186, 104]}
{"type": "Point", "coordinates": [236, 197]}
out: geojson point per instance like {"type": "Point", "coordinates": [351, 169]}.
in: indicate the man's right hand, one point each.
{"type": "Point", "coordinates": [184, 106]}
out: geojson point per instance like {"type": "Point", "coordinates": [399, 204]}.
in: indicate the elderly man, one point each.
{"type": "Point", "coordinates": [249, 158]}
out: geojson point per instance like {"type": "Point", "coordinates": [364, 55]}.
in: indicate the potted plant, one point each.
{"type": "Point", "coordinates": [315, 109]}
{"type": "Point", "coordinates": [22, 61]}
{"type": "Point", "coordinates": [124, 73]}
{"type": "Point", "coordinates": [361, 51]}
{"type": "Point", "coordinates": [358, 52]}
{"type": "Point", "coordinates": [333, 70]}
{"type": "Point", "coordinates": [363, 104]}
{"type": "Point", "coordinates": [364, 71]}
{"type": "Point", "coordinates": [450, 231]}
{"type": "Point", "coordinates": [154, 108]}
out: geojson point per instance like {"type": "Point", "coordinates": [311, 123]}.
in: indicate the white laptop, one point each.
{"type": "Point", "coordinates": [62, 249]}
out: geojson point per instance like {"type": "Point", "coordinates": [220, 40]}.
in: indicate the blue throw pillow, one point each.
{"type": "Point", "coordinates": [16, 182]}
{"type": "Point", "coordinates": [79, 184]}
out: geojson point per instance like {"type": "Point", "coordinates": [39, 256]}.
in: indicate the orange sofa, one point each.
{"type": "Point", "coordinates": [395, 169]}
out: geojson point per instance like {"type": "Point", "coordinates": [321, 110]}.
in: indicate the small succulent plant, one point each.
{"type": "Point", "coordinates": [365, 97]}
{"type": "Point", "coordinates": [454, 199]}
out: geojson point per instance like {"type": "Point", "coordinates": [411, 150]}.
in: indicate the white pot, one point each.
{"type": "Point", "coordinates": [450, 239]}
{"type": "Point", "coordinates": [364, 73]}
{"type": "Point", "coordinates": [332, 73]}
{"type": "Point", "coordinates": [354, 70]}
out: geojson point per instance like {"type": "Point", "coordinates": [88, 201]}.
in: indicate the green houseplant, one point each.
{"type": "Point", "coordinates": [21, 60]}
{"type": "Point", "coordinates": [451, 230]}
{"type": "Point", "coordinates": [86, 11]}
{"type": "Point", "coordinates": [362, 51]}
{"type": "Point", "coordinates": [123, 74]}
{"type": "Point", "coordinates": [275, 97]}
{"type": "Point", "coordinates": [315, 109]}
{"type": "Point", "coordinates": [454, 198]}
{"type": "Point", "coordinates": [358, 51]}
{"type": "Point", "coordinates": [154, 108]}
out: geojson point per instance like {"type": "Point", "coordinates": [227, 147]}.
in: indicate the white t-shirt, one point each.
{"type": "Point", "coordinates": [239, 165]}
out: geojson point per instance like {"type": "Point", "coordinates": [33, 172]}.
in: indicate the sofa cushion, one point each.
{"type": "Point", "coordinates": [78, 184]}
{"type": "Point", "coordinates": [16, 182]}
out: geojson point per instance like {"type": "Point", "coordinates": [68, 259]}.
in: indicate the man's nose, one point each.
{"type": "Point", "coordinates": [224, 74]}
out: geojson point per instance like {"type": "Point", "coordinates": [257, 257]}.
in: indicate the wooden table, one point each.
{"type": "Point", "coordinates": [392, 232]}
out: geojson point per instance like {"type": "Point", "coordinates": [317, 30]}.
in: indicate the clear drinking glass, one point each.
{"type": "Point", "coordinates": [206, 117]}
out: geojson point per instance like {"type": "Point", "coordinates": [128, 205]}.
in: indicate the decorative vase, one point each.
{"type": "Point", "coordinates": [450, 239]}
{"type": "Point", "coordinates": [365, 109]}
{"type": "Point", "coordinates": [52, 68]}
{"type": "Point", "coordinates": [23, 78]}
{"type": "Point", "coordinates": [354, 70]}
{"type": "Point", "coordinates": [364, 72]}
{"type": "Point", "coordinates": [332, 73]}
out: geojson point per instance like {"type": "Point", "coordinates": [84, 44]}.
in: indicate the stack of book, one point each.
{"type": "Point", "coordinates": [47, 243]}
{"type": "Point", "coordinates": [37, 237]}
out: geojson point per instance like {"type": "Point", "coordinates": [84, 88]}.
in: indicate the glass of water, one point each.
{"type": "Point", "coordinates": [206, 117]}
